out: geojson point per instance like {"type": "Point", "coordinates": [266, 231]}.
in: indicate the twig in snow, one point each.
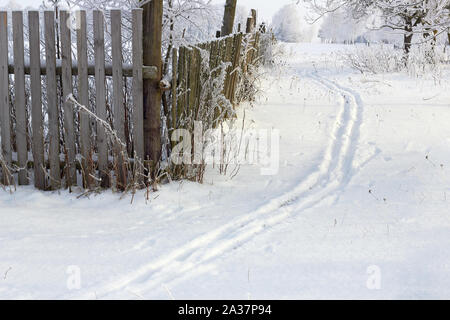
{"type": "Point", "coordinates": [6, 273]}
{"type": "Point", "coordinates": [169, 292]}
{"type": "Point", "coordinates": [428, 159]}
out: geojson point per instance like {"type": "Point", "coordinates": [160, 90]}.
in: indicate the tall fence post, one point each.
{"type": "Point", "coordinates": [250, 25]}
{"type": "Point", "coordinates": [254, 16]}
{"type": "Point", "coordinates": [152, 30]}
{"type": "Point", "coordinates": [138, 121]}
{"type": "Point", "coordinates": [228, 17]}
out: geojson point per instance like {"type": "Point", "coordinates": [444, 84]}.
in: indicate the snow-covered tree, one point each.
{"type": "Point", "coordinates": [290, 24]}
{"type": "Point", "coordinates": [11, 5]}
{"type": "Point", "coordinates": [339, 27]}
{"type": "Point", "coordinates": [427, 18]}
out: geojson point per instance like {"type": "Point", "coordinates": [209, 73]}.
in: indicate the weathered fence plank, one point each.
{"type": "Point", "coordinates": [67, 87]}
{"type": "Point", "coordinates": [197, 92]}
{"type": "Point", "coordinates": [5, 118]}
{"type": "Point", "coordinates": [19, 97]}
{"type": "Point", "coordinates": [118, 102]}
{"type": "Point", "coordinates": [83, 99]}
{"type": "Point", "coordinates": [228, 59]}
{"type": "Point", "coordinates": [100, 97]}
{"type": "Point", "coordinates": [52, 100]}
{"type": "Point", "coordinates": [250, 25]}
{"type": "Point", "coordinates": [190, 85]}
{"type": "Point", "coordinates": [236, 61]}
{"type": "Point", "coordinates": [138, 91]}
{"type": "Point", "coordinates": [228, 17]}
{"type": "Point", "coordinates": [36, 100]}
{"type": "Point", "coordinates": [174, 88]}
{"type": "Point", "coordinates": [181, 84]}
{"type": "Point", "coordinates": [253, 13]}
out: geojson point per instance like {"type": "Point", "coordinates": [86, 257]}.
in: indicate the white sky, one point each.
{"type": "Point", "coordinates": [266, 8]}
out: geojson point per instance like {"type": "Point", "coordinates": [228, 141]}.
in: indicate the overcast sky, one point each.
{"type": "Point", "coordinates": [266, 8]}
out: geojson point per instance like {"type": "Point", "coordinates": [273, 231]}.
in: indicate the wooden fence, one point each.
{"type": "Point", "coordinates": [237, 51]}
{"type": "Point", "coordinates": [59, 160]}
{"type": "Point", "coordinates": [56, 146]}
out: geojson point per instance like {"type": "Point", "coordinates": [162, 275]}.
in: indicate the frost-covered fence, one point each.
{"type": "Point", "coordinates": [222, 64]}
{"type": "Point", "coordinates": [72, 113]}
{"type": "Point", "coordinates": [40, 128]}
{"type": "Point", "coordinates": [208, 81]}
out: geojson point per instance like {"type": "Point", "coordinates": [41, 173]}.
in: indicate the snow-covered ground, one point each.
{"type": "Point", "coordinates": [359, 209]}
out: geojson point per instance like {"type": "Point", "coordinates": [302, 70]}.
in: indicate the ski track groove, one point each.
{"type": "Point", "coordinates": [333, 176]}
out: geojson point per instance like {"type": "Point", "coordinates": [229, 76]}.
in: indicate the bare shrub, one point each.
{"type": "Point", "coordinates": [374, 59]}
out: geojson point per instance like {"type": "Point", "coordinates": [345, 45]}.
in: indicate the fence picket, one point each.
{"type": "Point", "coordinates": [36, 100]}
{"type": "Point", "coordinates": [67, 87]}
{"type": "Point", "coordinates": [19, 97]}
{"type": "Point", "coordinates": [5, 118]}
{"type": "Point", "coordinates": [52, 100]}
{"type": "Point", "coordinates": [83, 97]}
{"type": "Point", "coordinates": [100, 96]}
{"type": "Point", "coordinates": [119, 114]}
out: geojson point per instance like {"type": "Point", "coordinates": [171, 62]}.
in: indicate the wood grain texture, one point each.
{"type": "Point", "coordinates": [19, 101]}
{"type": "Point", "coordinates": [52, 100]}
{"type": "Point", "coordinates": [100, 96]}
{"type": "Point", "coordinates": [5, 118]}
{"type": "Point", "coordinates": [83, 99]}
{"type": "Point", "coordinates": [36, 100]}
{"type": "Point", "coordinates": [138, 91]}
{"type": "Point", "coordinates": [67, 86]}
{"type": "Point", "coordinates": [152, 42]}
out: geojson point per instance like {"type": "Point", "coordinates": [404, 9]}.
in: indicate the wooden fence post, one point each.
{"type": "Point", "coordinates": [254, 16]}
{"type": "Point", "coordinates": [138, 108]}
{"type": "Point", "coordinates": [119, 112]}
{"type": "Point", "coordinates": [228, 17]}
{"type": "Point", "coordinates": [174, 87]}
{"type": "Point", "coordinates": [250, 24]}
{"type": "Point", "coordinates": [152, 30]}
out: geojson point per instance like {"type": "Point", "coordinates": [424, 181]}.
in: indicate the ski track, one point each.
{"type": "Point", "coordinates": [332, 176]}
